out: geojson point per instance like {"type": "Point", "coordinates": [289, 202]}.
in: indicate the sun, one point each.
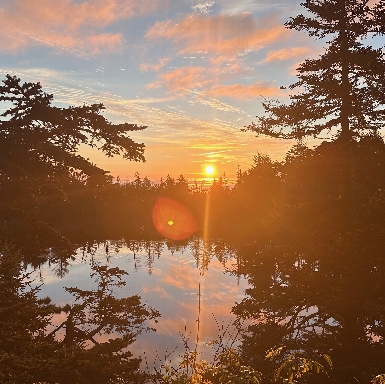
{"type": "Point", "coordinates": [209, 170]}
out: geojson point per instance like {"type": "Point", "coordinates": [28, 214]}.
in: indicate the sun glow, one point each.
{"type": "Point", "coordinates": [209, 170]}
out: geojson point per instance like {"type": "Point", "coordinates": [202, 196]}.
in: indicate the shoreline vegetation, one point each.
{"type": "Point", "coordinates": [309, 231]}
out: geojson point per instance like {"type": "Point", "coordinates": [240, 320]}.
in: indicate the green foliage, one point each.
{"type": "Point", "coordinates": [295, 368]}
{"type": "Point", "coordinates": [226, 368]}
{"type": "Point", "coordinates": [379, 379]}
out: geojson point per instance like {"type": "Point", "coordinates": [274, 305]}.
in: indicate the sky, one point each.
{"type": "Point", "coordinates": [194, 72]}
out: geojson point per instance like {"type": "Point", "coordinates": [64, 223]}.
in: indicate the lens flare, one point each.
{"type": "Point", "coordinates": [173, 219]}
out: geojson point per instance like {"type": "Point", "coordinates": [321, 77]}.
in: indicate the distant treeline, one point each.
{"type": "Point", "coordinates": [267, 200]}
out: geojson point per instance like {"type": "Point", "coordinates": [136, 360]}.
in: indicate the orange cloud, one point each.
{"type": "Point", "coordinates": [67, 24]}
{"type": "Point", "coordinates": [154, 85]}
{"type": "Point", "coordinates": [106, 42]}
{"type": "Point", "coordinates": [245, 92]}
{"type": "Point", "coordinates": [154, 67]}
{"type": "Point", "coordinates": [185, 78]}
{"type": "Point", "coordinates": [224, 34]}
{"type": "Point", "coordinates": [225, 66]}
{"type": "Point", "coordinates": [286, 53]}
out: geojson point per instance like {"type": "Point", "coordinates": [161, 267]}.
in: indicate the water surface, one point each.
{"type": "Point", "coordinates": [193, 285]}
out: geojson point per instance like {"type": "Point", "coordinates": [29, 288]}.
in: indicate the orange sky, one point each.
{"type": "Point", "coordinates": [194, 72]}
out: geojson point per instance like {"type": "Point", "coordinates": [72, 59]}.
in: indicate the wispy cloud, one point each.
{"type": "Point", "coordinates": [140, 111]}
{"type": "Point", "coordinates": [227, 35]}
{"type": "Point", "coordinates": [173, 131]}
{"type": "Point", "coordinates": [246, 92]}
{"type": "Point", "coordinates": [204, 8]}
{"type": "Point", "coordinates": [156, 289]}
{"type": "Point", "coordinates": [68, 24]}
{"type": "Point", "coordinates": [145, 67]}
{"type": "Point", "coordinates": [185, 78]}
{"type": "Point", "coordinates": [202, 98]}
{"type": "Point", "coordinates": [286, 53]}
{"type": "Point", "coordinates": [198, 82]}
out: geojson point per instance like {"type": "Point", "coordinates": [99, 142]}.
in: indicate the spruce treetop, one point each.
{"type": "Point", "coordinates": [342, 91]}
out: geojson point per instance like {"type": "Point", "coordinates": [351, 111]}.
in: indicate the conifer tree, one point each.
{"type": "Point", "coordinates": [38, 139]}
{"type": "Point", "coordinates": [343, 90]}
{"type": "Point", "coordinates": [45, 181]}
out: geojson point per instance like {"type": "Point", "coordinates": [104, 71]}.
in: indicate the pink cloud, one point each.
{"type": "Point", "coordinates": [220, 67]}
{"type": "Point", "coordinates": [185, 78]}
{"type": "Point", "coordinates": [106, 42]}
{"type": "Point", "coordinates": [67, 24]}
{"type": "Point", "coordinates": [293, 70]}
{"type": "Point", "coordinates": [154, 85]}
{"type": "Point", "coordinates": [286, 53]}
{"type": "Point", "coordinates": [224, 34]}
{"type": "Point", "coordinates": [144, 67]}
{"type": "Point", "coordinates": [245, 92]}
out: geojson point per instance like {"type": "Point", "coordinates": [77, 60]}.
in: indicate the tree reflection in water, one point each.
{"type": "Point", "coordinates": [295, 299]}
{"type": "Point", "coordinates": [314, 306]}
{"type": "Point", "coordinates": [167, 275]}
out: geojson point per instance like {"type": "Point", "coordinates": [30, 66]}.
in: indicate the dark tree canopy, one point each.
{"type": "Point", "coordinates": [316, 285]}
{"type": "Point", "coordinates": [39, 139]}
{"type": "Point", "coordinates": [45, 184]}
{"type": "Point", "coordinates": [343, 90]}
{"type": "Point", "coordinates": [31, 352]}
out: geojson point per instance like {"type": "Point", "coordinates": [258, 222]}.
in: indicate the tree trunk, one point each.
{"type": "Point", "coordinates": [345, 85]}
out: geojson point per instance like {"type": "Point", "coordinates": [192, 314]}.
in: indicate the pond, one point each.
{"type": "Point", "coordinates": [299, 301]}
{"type": "Point", "coordinates": [194, 285]}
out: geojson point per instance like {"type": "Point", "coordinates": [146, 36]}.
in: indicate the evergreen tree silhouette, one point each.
{"type": "Point", "coordinates": [344, 88]}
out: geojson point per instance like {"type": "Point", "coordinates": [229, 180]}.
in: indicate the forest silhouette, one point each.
{"type": "Point", "coordinates": [308, 231]}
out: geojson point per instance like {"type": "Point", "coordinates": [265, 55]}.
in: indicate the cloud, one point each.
{"type": "Point", "coordinates": [67, 24]}
{"type": "Point", "coordinates": [227, 35]}
{"type": "Point", "coordinates": [239, 6]}
{"type": "Point", "coordinates": [245, 92]}
{"type": "Point", "coordinates": [201, 97]}
{"type": "Point", "coordinates": [185, 78]}
{"type": "Point", "coordinates": [145, 67]}
{"type": "Point", "coordinates": [170, 131]}
{"type": "Point", "coordinates": [203, 8]}
{"type": "Point", "coordinates": [286, 53]}
{"type": "Point", "coordinates": [154, 85]}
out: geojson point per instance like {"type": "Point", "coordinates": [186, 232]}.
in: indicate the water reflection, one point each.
{"type": "Point", "coordinates": [312, 304]}
{"type": "Point", "coordinates": [273, 294]}
{"type": "Point", "coordinates": [184, 281]}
